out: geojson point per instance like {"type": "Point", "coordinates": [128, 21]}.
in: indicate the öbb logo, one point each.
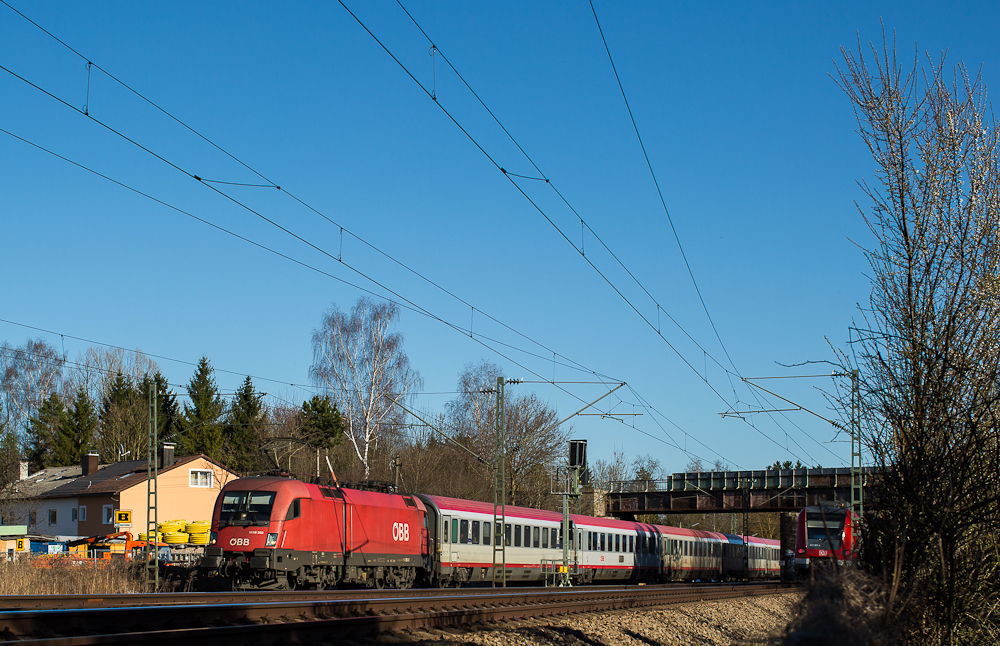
{"type": "Point", "coordinates": [239, 541]}
{"type": "Point", "coordinates": [401, 532]}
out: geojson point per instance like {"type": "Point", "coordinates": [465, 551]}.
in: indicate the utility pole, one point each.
{"type": "Point", "coordinates": [152, 552]}
{"type": "Point", "coordinates": [500, 491]}
{"type": "Point", "coordinates": [857, 475]}
{"type": "Point", "coordinates": [746, 528]}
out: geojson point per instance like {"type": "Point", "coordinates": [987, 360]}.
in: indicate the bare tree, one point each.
{"type": "Point", "coordinates": [531, 442]}
{"type": "Point", "coordinates": [361, 362]}
{"type": "Point", "coordinates": [605, 472]}
{"type": "Point", "coordinates": [929, 347]}
{"type": "Point", "coordinates": [28, 375]}
{"type": "Point", "coordinates": [97, 369]}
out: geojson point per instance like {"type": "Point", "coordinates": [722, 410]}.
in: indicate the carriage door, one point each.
{"type": "Point", "coordinates": [446, 555]}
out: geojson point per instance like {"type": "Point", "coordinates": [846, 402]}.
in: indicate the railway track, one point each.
{"type": "Point", "coordinates": [268, 618]}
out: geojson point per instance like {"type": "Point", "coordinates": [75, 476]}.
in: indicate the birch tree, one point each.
{"type": "Point", "coordinates": [359, 360]}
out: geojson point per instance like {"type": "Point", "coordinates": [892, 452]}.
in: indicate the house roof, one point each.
{"type": "Point", "coordinates": [69, 482]}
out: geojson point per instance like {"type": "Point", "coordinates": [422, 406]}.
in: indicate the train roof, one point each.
{"type": "Point", "coordinates": [353, 496]}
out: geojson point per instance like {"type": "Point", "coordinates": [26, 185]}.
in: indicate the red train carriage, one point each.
{"type": "Point", "coordinates": [277, 532]}
{"type": "Point", "coordinates": [823, 534]}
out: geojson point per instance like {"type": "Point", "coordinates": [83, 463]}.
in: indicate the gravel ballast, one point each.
{"type": "Point", "coordinates": [709, 623]}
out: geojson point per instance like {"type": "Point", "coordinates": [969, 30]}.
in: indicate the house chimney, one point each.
{"type": "Point", "coordinates": [89, 463]}
{"type": "Point", "coordinates": [167, 455]}
{"type": "Point", "coordinates": [23, 473]}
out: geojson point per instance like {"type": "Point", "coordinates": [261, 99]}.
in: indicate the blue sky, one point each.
{"type": "Point", "coordinates": [751, 141]}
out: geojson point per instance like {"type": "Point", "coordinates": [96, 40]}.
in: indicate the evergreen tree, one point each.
{"type": "Point", "coordinates": [74, 436]}
{"type": "Point", "coordinates": [199, 427]}
{"type": "Point", "coordinates": [243, 431]}
{"type": "Point", "coordinates": [43, 429]}
{"type": "Point", "coordinates": [322, 424]}
{"type": "Point", "coordinates": [124, 421]}
{"type": "Point", "coordinates": [168, 410]}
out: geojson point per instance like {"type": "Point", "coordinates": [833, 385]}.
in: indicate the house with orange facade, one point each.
{"type": "Point", "coordinates": [77, 501]}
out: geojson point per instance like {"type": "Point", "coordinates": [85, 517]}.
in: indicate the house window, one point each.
{"type": "Point", "coordinates": [109, 514]}
{"type": "Point", "coordinates": [52, 517]}
{"type": "Point", "coordinates": [83, 513]}
{"type": "Point", "coordinates": [32, 519]}
{"type": "Point", "coordinates": [201, 478]}
{"type": "Point", "coordinates": [72, 514]}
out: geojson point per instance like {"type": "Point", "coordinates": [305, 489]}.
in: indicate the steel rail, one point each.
{"type": "Point", "coordinates": [305, 619]}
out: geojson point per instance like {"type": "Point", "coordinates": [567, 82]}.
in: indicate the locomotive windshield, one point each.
{"type": "Point", "coordinates": [245, 508]}
{"type": "Point", "coordinates": [825, 530]}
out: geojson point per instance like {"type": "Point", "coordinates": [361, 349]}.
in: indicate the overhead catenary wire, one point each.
{"type": "Point", "coordinates": [194, 176]}
{"type": "Point", "coordinates": [270, 184]}
{"type": "Point", "coordinates": [507, 175]}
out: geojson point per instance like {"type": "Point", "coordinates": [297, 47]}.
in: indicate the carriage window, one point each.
{"type": "Point", "coordinates": [631, 543]}
{"type": "Point", "coordinates": [618, 543]}
{"type": "Point", "coordinates": [590, 540]}
{"type": "Point", "coordinates": [506, 534]}
{"type": "Point", "coordinates": [486, 533]}
{"type": "Point", "coordinates": [475, 532]}
{"type": "Point", "coordinates": [545, 538]}
{"type": "Point", "coordinates": [535, 531]}
{"type": "Point", "coordinates": [463, 532]}
{"type": "Point", "coordinates": [517, 536]}
{"type": "Point", "coordinates": [553, 541]}
{"type": "Point", "coordinates": [454, 530]}
{"type": "Point", "coordinates": [446, 532]}
{"type": "Point", "coordinates": [603, 544]}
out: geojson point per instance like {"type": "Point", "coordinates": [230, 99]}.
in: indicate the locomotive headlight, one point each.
{"type": "Point", "coordinates": [272, 540]}
{"type": "Point", "coordinates": [213, 538]}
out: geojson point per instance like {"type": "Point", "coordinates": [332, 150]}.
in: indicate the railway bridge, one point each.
{"type": "Point", "coordinates": [737, 492]}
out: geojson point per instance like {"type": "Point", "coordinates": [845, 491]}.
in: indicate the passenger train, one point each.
{"type": "Point", "coordinates": [284, 533]}
{"type": "Point", "coordinates": [824, 535]}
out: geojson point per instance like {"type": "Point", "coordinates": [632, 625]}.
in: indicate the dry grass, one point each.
{"type": "Point", "coordinates": [845, 607]}
{"type": "Point", "coordinates": [48, 575]}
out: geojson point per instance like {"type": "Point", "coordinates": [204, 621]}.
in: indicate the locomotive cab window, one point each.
{"type": "Point", "coordinates": [294, 509]}
{"type": "Point", "coordinates": [246, 508]}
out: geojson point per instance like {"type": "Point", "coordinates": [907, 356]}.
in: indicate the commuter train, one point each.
{"type": "Point", "coordinates": [283, 533]}
{"type": "Point", "coordinates": [824, 535]}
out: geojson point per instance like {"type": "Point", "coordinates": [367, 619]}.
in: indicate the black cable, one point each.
{"type": "Point", "coordinates": [545, 215]}
{"type": "Point", "coordinates": [273, 185]}
{"type": "Point", "coordinates": [658, 191]}
{"type": "Point", "coordinates": [413, 305]}
{"type": "Point", "coordinates": [547, 181]}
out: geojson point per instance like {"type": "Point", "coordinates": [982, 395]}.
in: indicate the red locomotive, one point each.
{"type": "Point", "coordinates": [822, 535]}
{"type": "Point", "coordinates": [283, 533]}
{"type": "Point", "coordinates": [277, 532]}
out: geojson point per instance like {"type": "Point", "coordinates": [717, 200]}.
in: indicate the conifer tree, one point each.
{"type": "Point", "coordinates": [168, 410]}
{"type": "Point", "coordinates": [243, 430]}
{"type": "Point", "coordinates": [322, 424]}
{"type": "Point", "coordinates": [75, 434]}
{"type": "Point", "coordinates": [199, 426]}
{"type": "Point", "coordinates": [42, 430]}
